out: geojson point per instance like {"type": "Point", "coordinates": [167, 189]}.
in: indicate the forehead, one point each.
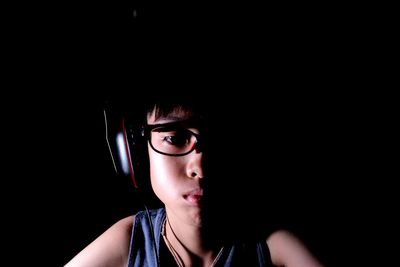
{"type": "Point", "coordinates": [172, 115]}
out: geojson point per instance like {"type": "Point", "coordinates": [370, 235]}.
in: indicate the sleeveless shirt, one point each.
{"type": "Point", "coordinates": [146, 248]}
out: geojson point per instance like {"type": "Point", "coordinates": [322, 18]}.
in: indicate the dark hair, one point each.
{"type": "Point", "coordinates": [163, 106]}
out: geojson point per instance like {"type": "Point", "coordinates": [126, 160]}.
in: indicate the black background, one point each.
{"type": "Point", "coordinates": [305, 66]}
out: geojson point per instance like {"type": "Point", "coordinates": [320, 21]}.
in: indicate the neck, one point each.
{"type": "Point", "coordinates": [189, 243]}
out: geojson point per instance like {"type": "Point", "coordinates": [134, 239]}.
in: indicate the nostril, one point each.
{"type": "Point", "coordinates": [196, 174]}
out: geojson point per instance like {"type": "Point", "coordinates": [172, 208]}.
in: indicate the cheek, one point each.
{"type": "Point", "coordinates": [163, 173]}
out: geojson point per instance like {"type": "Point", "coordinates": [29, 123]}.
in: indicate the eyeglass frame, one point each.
{"type": "Point", "coordinates": [147, 129]}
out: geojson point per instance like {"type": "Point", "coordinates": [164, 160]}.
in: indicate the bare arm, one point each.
{"type": "Point", "coordinates": [109, 249]}
{"type": "Point", "coordinates": [287, 250]}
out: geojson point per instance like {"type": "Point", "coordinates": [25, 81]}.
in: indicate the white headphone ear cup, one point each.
{"type": "Point", "coordinates": [127, 153]}
{"type": "Point", "coordinates": [124, 143]}
{"type": "Point", "coordinates": [123, 153]}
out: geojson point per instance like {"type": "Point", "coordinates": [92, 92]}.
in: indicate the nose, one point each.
{"type": "Point", "coordinates": [195, 165]}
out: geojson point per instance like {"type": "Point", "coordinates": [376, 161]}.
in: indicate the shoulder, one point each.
{"type": "Point", "coordinates": [288, 250]}
{"type": "Point", "coordinates": [109, 249]}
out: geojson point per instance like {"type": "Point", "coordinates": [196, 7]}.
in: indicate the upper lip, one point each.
{"type": "Point", "coordinates": [194, 192]}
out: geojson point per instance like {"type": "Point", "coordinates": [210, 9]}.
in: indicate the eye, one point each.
{"type": "Point", "coordinates": [168, 136]}
{"type": "Point", "coordinates": [177, 138]}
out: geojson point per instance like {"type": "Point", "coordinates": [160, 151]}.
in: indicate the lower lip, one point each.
{"type": "Point", "coordinates": [193, 199]}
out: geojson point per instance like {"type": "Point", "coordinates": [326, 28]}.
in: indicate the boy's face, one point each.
{"type": "Point", "coordinates": [177, 180]}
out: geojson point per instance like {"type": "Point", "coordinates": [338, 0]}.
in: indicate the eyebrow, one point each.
{"type": "Point", "coordinates": [179, 123]}
{"type": "Point", "coordinates": [171, 117]}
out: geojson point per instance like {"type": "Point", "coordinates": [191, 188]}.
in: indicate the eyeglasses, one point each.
{"type": "Point", "coordinates": [172, 139]}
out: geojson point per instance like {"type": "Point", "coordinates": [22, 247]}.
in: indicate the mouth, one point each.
{"type": "Point", "coordinates": [194, 197]}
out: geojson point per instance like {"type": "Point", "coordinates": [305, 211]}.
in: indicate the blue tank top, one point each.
{"type": "Point", "coordinates": [144, 246]}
